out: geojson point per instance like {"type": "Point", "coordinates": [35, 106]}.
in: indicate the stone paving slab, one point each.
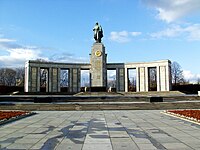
{"type": "Point", "coordinates": [100, 130]}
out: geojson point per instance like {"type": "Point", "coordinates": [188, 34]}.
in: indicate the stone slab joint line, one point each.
{"type": "Point", "coordinates": [108, 130]}
{"type": "Point", "coordinates": [154, 142]}
{"type": "Point", "coordinates": [164, 133]}
{"type": "Point", "coordinates": [187, 120]}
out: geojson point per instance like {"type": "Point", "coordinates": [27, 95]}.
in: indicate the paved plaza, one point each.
{"type": "Point", "coordinates": [100, 130]}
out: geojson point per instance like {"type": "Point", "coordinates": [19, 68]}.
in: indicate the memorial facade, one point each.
{"type": "Point", "coordinates": [97, 67]}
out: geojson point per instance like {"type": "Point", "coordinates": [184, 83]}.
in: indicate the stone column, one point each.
{"type": "Point", "coordinates": [59, 80]}
{"type": "Point", "coordinates": [170, 76]}
{"type": "Point", "coordinates": [120, 79]}
{"type": "Point", "coordinates": [70, 74]}
{"type": "Point", "coordinates": [122, 86]}
{"type": "Point", "coordinates": [117, 79]}
{"type": "Point", "coordinates": [137, 80]}
{"type": "Point", "coordinates": [38, 79]}
{"type": "Point", "coordinates": [142, 79]}
{"type": "Point", "coordinates": [27, 82]}
{"type": "Point", "coordinates": [33, 79]}
{"type": "Point", "coordinates": [74, 78]}
{"type": "Point", "coordinates": [54, 80]}
{"type": "Point", "coordinates": [167, 78]}
{"type": "Point", "coordinates": [78, 79]}
{"type": "Point", "coordinates": [163, 78]}
{"type": "Point", "coordinates": [146, 79]}
{"type": "Point", "coordinates": [158, 77]}
{"type": "Point", "coordinates": [49, 81]}
{"type": "Point", "coordinates": [126, 79]}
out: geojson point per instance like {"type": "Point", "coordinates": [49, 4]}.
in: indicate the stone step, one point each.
{"type": "Point", "coordinates": [92, 98]}
{"type": "Point", "coordinates": [98, 94]}
{"type": "Point", "coordinates": [100, 106]}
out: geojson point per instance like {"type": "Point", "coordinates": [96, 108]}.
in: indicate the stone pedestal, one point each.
{"type": "Point", "coordinates": [98, 71]}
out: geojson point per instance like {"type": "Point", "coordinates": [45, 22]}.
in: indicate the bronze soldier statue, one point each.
{"type": "Point", "coordinates": [98, 33]}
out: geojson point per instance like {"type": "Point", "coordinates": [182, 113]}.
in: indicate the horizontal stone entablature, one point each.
{"type": "Point", "coordinates": [138, 64]}
{"type": "Point", "coordinates": [114, 65]}
{"type": "Point", "coordinates": [40, 64]}
{"type": "Point", "coordinates": [148, 64]}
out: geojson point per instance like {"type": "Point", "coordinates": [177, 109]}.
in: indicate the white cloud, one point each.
{"type": "Point", "coordinates": [135, 33]}
{"type": "Point", "coordinates": [122, 36]}
{"type": "Point", "coordinates": [6, 40]}
{"type": "Point", "coordinates": [67, 58]}
{"type": "Point", "coordinates": [194, 32]}
{"type": "Point", "coordinates": [24, 53]}
{"type": "Point", "coordinates": [171, 10]}
{"type": "Point", "coordinates": [191, 32]}
{"type": "Point", "coordinates": [15, 55]}
{"type": "Point", "coordinates": [188, 75]}
{"type": "Point", "coordinates": [172, 31]}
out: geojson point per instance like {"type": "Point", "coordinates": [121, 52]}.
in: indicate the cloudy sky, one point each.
{"type": "Point", "coordinates": [134, 31]}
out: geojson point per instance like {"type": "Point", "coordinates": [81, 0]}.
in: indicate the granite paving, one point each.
{"type": "Point", "coordinates": [100, 130]}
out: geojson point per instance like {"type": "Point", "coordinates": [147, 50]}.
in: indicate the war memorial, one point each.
{"type": "Point", "coordinates": [116, 121]}
{"type": "Point", "coordinates": [97, 67]}
{"type": "Point", "coordinates": [97, 95]}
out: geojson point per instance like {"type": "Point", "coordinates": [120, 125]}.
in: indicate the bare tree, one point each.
{"type": "Point", "coordinates": [111, 81]}
{"type": "Point", "coordinates": [198, 80]}
{"type": "Point", "coordinates": [152, 79]}
{"type": "Point", "coordinates": [43, 77]}
{"type": "Point", "coordinates": [64, 78]}
{"type": "Point", "coordinates": [177, 73]}
{"type": "Point", "coordinates": [41, 60]}
{"type": "Point", "coordinates": [7, 77]}
{"type": "Point", "coordinates": [132, 84]}
{"type": "Point", "coordinates": [20, 73]}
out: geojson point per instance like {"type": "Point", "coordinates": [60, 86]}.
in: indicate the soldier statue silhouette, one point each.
{"type": "Point", "coordinates": [98, 32]}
